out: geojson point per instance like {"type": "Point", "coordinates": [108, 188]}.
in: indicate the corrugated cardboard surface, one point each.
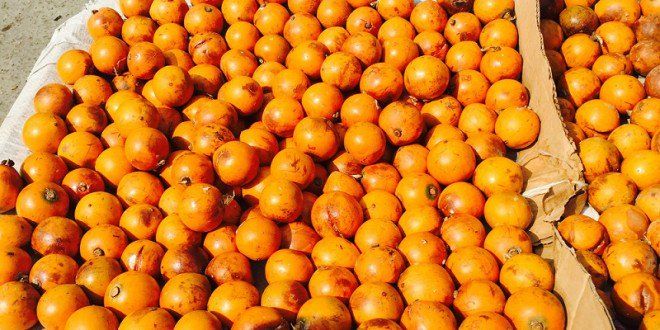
{"type": "Point", "coordinates": [555, 183]}
{"type": "Point", "coordinates": [552, 165]}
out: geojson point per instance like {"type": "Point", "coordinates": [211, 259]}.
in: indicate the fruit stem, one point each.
{"type": "Point", "coordinates": [509, 15]}
{"type": "Point", "coordinates": [50, 195]}
{"type": "Point", "coordinates": [227, 198]}
{"type": "Point", "coordinates": [98, 252]}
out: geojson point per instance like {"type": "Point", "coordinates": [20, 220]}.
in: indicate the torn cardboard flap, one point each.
{"type": "Point", "coordinates": [552, 161]}
{"type": "Point", "coordinates": [555, 183]}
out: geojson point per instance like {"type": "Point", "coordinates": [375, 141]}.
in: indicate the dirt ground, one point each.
{"type": "Point", "coordinates": [25, 28]}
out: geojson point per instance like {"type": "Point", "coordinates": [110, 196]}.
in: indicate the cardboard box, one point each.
{"type": "Point", "coordinates": [555, 183]}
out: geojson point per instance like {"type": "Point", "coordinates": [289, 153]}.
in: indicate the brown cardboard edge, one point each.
{"type": "Point", "coordinates": [554, 179]}
{"type": "Point", "coordinates": [585, 309]}
{"type": "Point", "coordinates": [551, 165]}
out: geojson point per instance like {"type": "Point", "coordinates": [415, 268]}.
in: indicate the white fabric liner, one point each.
{"type": "Point", "coordinates": [72, 34]}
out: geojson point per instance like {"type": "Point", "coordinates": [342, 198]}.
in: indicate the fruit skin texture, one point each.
{"type": "Point", "coordinates": [584, 233]}
{"type": "Point", "coordinates": [260, 317]}
{"type": "Point", "coordinates": [57, 304]}
{"type": "Point", "coordinates": [611, 64]}
{"type": "Point", "coordinates": [281, 200]}
{"type": "Point", "coordinates": [379, 264]}
{"type": "Point", "coordinates": [629, 139]}
{"type": "Point", "coordinates": [616, 37]}
{"type": "Point", "coordinates": [18, 305]}
{"type": "Point", "coordinates": [130, 292]}
{"type": "Point", "coordinates": [645, 114]}
{"type": "Point", "coordinates": [506, 241]}
{"type": "Point", "coordinates": [643, 168]}
{"type": "Point", "coordinates": [109, 54]}
{"type": "Point", "coordinates": [286, 296]}
{"type": "Point", "coordinates": [142, 255]}
{"type": "Point", "coordinates": [14, 231]}
{"type": "Point", "coordinates": [462, 230]}
{"type": "Point", "coordinates": [257, 238]}
{"type": "Point", "coordinates": [43, 132]}
{"type": "Point", "coordinates": [74, 64]}
{"type": "Point", "coordinates": [526, 270]}
{"type": "Point", "coordinates": [498, 174]}
{"type": "Point", "coordinates": [580, 84]}
{"type": "Point", "coordinates": [53, 270]}
{"type": "Point", "coordinates": [622, 91]}
{"type": "Point", "coordinates": [10, 186]}
{"type": "Point", "coordinates": [173, 86]}
{"type": "Point", "coordinates": [501, 63]}
{"type": "Point", "coordinates": [426, 281]}
{"type": "Point", "coordinates": [148, 317]}
{"type": "Point", "coordinates": [652, 82]}
{"type": "Point", "coordinates": [231, 298]}
{"type": "Point", "coordinates": [198, 320]}
{"type": "Point", "coordinates": [56, 235]}
{"type": "Point", "coordinates": [506, 93]}
{"type": "Point", "coordinates": [332, 281]}
{"type": "Point", "coordinates": [595, 266]}
{"type": "Point", "coordinates": [426, 77]}
{"type": "Point", "coordinates": [479, 296]}
{"type": "Point", "coordinates": [53, 98]}
{"type": "Point", "coordinates": [285, 265]}
{"type": "Point", "coordinates": [518, 127]}
{"type": "Point", "coordinates": [578, 19]}
{"type": "Point", "coordinates": [375, 300]}
{"type": "Point", "coordinates": [95, 275]}
{"type": "Point", "coordinates": [635, 295]}
{"type": "Point", "coordinates": [648, 201]}
{"type": "Point", "coordinates": [624, 222]}
{"type": "Point", "coordinates": [401, 122]}
{"type": "Point", "coordinates": [423, 247]}
{"type": "Point", "coordinates": [382, 81]}
{"type": "Point", "coordinates": [531, 306]}
{"type": "Point", "coordinates": [580, 50]}
{"type": "Point", "coordinates": [643, 58]}
{"type": "Point", "coordinates": [471, 263]}
{"type": "Point", "coordinates": [486, 320]}
{"type": "Point", "coordinates": [628, 257]}
{"type": "Point", "coordinates": [419, 219]}
{"type": "Point", "coordinates": [428, 315]}
{"type": "Point", "coordinates": [146, 148]}
{"type": "Point", "coordinates": [598, 156]}
{"type": "Point", "coordinates": [418, 189]}
{"type": "Point", "coordinates": [508, 208]}
{"type": "Point", "coordinates": [41, 166]}
{"type": "Point", "coordinates": [327, 216]}
{"type": "Point", "coordinates": [461, 197]}
{"type": "Point", "coordinates": [325, 252]}
{"type": "Point", "coordinates": [451, 162]}
{"type": "Point", "coordinates": [325, 313]}
{"type": "Point", "coordinates": [463, 25]}
{"type": "Point", "coordinates": [92, 317]}
{"type": "Point", "coordinates": [377, 232]}
{"type": "Point", "coordinates": [366, 142]}
{"type": "Point", "coordinates": [200, 207]}
{"type": "Point", "coordinates": [40, 200]}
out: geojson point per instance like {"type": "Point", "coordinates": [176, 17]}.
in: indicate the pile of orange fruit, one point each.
{"type": "Point", "coordinates": [598, 51]}
{"type": "Point", "coordinates": [317, 164]}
